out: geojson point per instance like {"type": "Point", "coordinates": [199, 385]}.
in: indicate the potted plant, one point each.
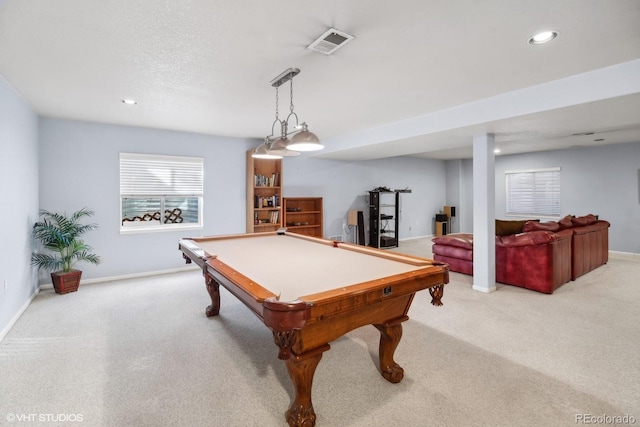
{"type": "Point", "coordinates": [60, 235]}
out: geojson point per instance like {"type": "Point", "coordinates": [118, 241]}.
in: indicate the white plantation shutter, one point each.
{"type": "Point", "coordinates": [533, 192]}
{"type": "Point", "coordinates": [155, 175]}
{"type": "Point", "coordinates": [160, 192]}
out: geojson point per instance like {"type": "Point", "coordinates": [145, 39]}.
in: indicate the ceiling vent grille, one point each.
{"type": "Point", "coordinates": [330, 41]}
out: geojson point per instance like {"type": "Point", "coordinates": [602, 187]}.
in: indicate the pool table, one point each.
{"type": "Point", "coordinates": [310, 291]}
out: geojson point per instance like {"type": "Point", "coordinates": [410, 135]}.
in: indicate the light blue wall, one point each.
{"type": "Point", "coordinates": [19, 195]}
{"type": "Point", "coordinates": [599, 180]}
{"type": "Point", "coordinates": [80, 168]}
{"type": "Point", "coordinates": [344, 186]}
{"type": "Point", "coordinates": [456, 189]}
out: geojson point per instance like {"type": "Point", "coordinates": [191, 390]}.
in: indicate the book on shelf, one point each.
{"type": "Point", "coordinates": [266, 181]}
{"type": "Point", "coordinates": [266, 202]}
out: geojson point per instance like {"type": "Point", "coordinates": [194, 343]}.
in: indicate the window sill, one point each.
{"type": "Point", "coordinates": [159, 229]}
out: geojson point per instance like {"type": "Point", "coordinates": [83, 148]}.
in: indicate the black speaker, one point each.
{"type": "Point", "coordinates": [360, 228]}
{"type": "Point", "coordinates": [453, 211]}
{"type": "Point", "coordinates": [442, 217]}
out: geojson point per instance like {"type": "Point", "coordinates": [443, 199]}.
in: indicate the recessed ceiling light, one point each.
{"type": "Point", "coordinates": [129, 101]}
{"type": "Point", "coordinates": [496, 151]}
{"type": "Point", "coordinates": [543, 37]}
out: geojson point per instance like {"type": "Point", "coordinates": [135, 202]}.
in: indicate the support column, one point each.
{"type": "Point", "coordinates": [484, 206]}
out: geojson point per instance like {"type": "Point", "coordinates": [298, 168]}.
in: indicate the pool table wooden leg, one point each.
{"type": "Point", "coordinates": [301, 370]}
{"type": "Point", "coordinates": [390, 335]}
{"type": "Point", "coordinates": [213, 288]}
{"type": "Point", "coordinates": [436, 294]}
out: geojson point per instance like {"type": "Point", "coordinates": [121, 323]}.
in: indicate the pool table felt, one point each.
{"type": "Point", "coordinates": [294, 267]}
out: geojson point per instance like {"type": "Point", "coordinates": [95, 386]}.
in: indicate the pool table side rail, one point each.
{"type": "Point", "coordinates": [393, 256]}
{"type": "Point", "coordinates": [246, 290]}
{"type": "Point", "coordinates": [243, 288]}
{"type": "Point", "coordinates": [260, 234]}
{"type": "Point", "coordinates": [364, 292]}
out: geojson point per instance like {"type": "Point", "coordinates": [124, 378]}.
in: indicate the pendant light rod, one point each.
{"type": "Point", "coordinates": [284, 77]}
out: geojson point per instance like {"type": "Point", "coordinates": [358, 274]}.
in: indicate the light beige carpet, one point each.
{"type": "Point", "coordinates": [142, 353]}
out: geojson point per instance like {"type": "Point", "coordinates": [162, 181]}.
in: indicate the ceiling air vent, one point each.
{"type": "Point", "coordinates": [330, 41]}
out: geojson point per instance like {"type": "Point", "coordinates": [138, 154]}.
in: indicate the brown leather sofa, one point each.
{"type": "Point", "coordinates": [541, 256]}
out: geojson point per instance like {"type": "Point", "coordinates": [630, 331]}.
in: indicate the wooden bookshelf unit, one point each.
{"type": "Point", "coordinates": [303, 215]}
{"type": "Point", "coordinates": [264, 194]}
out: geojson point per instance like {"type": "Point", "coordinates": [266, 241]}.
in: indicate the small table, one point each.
{"type": "Point", "coordinates": [311, 291]}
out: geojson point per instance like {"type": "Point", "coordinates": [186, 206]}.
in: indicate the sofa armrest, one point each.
{"type": "Point", "coordinates": [458, 240]}
{"type": "Point", "coordinates": [590, 248]}
{"type": "Point", "coordinates": [538, 260]}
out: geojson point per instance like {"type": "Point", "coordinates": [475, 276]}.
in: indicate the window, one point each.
{"type": "Point", "coordinates": [533, 192]}
{"type": "Point", "coordinates": [160, 192]}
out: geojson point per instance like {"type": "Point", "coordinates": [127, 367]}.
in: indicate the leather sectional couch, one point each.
{"type": "Point", "coordinates": [535, 255]}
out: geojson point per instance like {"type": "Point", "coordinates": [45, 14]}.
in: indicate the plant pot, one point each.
{"type": "Point", "coordinates": [64, 283]}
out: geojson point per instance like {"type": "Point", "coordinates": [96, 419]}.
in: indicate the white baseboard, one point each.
{"type": "Point", "coordinates": [627, 256]}
{"type": "Point", "coordinates": [16, 316]}
{"type": "Point", "coordinates": [415, 238]}
{"type": "Point", "coordinates": [484, 290]}
{"type": "Point", "coordinates": [130, 276]}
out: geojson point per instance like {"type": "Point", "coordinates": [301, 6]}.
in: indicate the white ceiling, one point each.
{"type": "Point", "coordinates": [421, 77]}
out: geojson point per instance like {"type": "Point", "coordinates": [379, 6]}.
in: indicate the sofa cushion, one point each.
{"type": "Point", "coordinates": [546, 226]}
{"type": "Point", "coordinates": [506, 227]}
{"type": "Point", "coordinates": [581, 221]}
{"type": "Point", "coordinates": [592, 218]}
{"type": "Point", "coordinates": [460, 240]}
{"type": "Point", "coordinates": [565, 223]}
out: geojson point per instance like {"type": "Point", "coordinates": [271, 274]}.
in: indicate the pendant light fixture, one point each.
{"type": "Point", "coordinates": [279, 145]}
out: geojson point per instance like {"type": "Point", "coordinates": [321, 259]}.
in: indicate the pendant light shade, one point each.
{"type": "Point", "coordinates": [281, 147]}
{"type": "Point", "coordinates": [262, 152]}
{"type": "Point", "coordinates": [305, 141]}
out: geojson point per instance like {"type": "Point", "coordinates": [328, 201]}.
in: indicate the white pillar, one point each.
{"type": "Point", "coordinates": [484, 206]}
